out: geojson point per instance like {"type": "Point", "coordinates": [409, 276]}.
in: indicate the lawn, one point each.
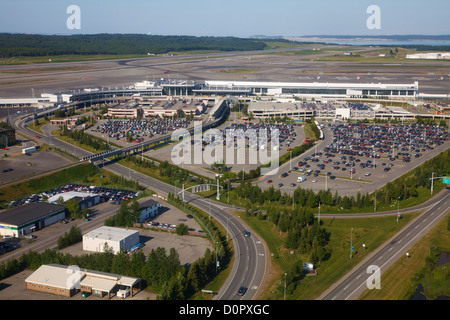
{"type": "Point", "coordinates": [396, 281]}
{"type": "Point", "coordinates": [372, 232]}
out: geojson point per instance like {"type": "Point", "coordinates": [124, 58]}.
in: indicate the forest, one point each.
{"type": "Point", "coordinates": [13, 45]}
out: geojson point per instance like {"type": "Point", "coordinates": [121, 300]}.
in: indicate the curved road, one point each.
{"type": "Point", "coordinates": [251, 262]}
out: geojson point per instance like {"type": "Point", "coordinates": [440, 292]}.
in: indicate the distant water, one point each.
{"type": "Point", "coordinates": [386, 42]}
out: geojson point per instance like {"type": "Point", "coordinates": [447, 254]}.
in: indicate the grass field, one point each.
{"type": "Point", "coordinates": [66, 58]}
{"type": "Point", "coordinates": [371, 232]}
{"type": "Point", "coordinates": [396, 281]}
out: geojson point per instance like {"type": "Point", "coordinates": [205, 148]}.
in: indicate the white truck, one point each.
{"type": "Point", "coordinates": [28, 150]}
{"type": "Point", "coordinates": [301, 179]}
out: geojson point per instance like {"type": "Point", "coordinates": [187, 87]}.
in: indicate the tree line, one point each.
{"type": "Point", "coordinates": [12, 45]}
{"type": "Point", "coordinates": [402, 188]}
{"type": "Point", "coordinates": [84, 138]}
{"type": "Point", "coordinates": [160, 270]}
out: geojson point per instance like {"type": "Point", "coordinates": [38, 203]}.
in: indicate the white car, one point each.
{"type": "Point", "coordinates": [368, 174]}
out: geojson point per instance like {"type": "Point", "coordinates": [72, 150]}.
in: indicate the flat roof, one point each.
{"type": "Point", "coordinates": [256, 84]}
{"type": "Point", "coordinates": [61, 276]}
{"type": "Point", "coordinates": [27, 213]}
{"type": "Point", "coordinates": [57, 276]}
{"type": "Point", "coordinates": [110, 233]}
{"type": "Point", "coordinates": [71, 194]}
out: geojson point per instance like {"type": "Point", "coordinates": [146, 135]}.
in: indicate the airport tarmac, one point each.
{"type": "Point", "coordinates": [22, 80]}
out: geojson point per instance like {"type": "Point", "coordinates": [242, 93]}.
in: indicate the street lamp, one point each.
{"type": "Point", "coordinates": [351, 242]}
{"type": "Point", "coordinates": [285, 286]}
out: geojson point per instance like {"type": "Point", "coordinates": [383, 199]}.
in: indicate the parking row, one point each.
{"type": "Point", "coordinates": [116, 196]}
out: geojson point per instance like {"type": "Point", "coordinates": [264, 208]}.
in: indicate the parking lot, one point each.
{"type": "Point", "coordinates": [361, 158]}
{"type": "Point", "coordinates": [289, 136]}
{"type": "Point", "coordinates": [24, 166]}
{"type": "Point", "coordinates": [189, 247]}
{"type": "Point", "coordinates": [118, 131]}
{"type": "Point", "coordinates": [114, 196]}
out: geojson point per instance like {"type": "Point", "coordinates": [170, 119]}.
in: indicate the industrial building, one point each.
{"type": "Point", "coordinates": [130, 110]}
{"type": "Point", "coordinates": [149, 209]}
{"type": "Point", "coordinates": [116, 239]}
{"type": "Point", "coordinates": [69, 280]}
{"type": "Point", "coordinates": [30, 217]}
{"type": "Point", "coordinates": [84, 199]}
{"type": "Point", "coordinates": [430, 56]}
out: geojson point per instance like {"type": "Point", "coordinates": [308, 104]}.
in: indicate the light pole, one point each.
{"type": "Point", "coordinates": [398, 209]}
{"type": "Point", "coordinates": [351, 242]}
{"type": "Point", "coordinates": [285, 286]}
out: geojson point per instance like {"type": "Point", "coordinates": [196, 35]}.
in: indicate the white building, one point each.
{"type": "Point", "coordinates": [85, 200]}
{"type": "Point", "coordinates": [313, 89]}
{"type": "Point", "coordinates": [149, 209]}
{"type": "Point", "coordinates": [430, 56]}
{"type": "Point", "coordinates": [115, 238]}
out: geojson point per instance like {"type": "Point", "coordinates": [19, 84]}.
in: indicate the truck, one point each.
{"type": "Point", "coordinates": [301, 179]}
{"type": "Point", "coordinates": [28, 150]}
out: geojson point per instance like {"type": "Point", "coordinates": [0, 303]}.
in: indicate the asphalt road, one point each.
{"type": "Point", "coordinates": [251, 261]}
{"type": "Point", "coordinates": [353, 284]}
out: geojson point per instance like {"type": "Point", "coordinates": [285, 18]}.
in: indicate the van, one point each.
{"type": "Point", "coordinates": [7, 237]}
{"type": "Point", "coordinates": [301, 179]}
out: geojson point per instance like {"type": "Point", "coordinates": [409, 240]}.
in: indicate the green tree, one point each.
{"type": "Point", "coordinates": [181, 229]}
{"type": "Point", "coordinates": [73, 208]}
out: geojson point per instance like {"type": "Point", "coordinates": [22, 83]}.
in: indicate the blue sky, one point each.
{"type": "Point", "coordinates": [241, 18]}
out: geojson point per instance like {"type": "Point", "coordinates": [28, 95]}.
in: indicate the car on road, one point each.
{"type": "Point", "coordinates": [246, 233]}
{"type": "Point", "coordinates": [241, 291]}
{"type": "Point", "coordinates": [269, 181]}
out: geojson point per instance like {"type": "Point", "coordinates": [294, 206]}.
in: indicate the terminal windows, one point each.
{"type": "Point", "coordinates": [313, 91]}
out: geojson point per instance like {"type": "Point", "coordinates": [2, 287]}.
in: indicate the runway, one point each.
{"type": "Point", "coordinates": [285, 65]}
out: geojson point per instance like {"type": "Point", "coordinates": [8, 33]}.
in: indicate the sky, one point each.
{"type": "Point", "coordinates": [240, 18]}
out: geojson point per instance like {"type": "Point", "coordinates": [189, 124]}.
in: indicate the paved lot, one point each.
{"type": "Point", "coordinates": [189, 248]}
{"type": "Point", "coordinates": [236, 164]}
{"type": "Point", "coordinates": [13, 288]}
{"type": "Point", "coordinates": [23, 166]}
{"type": "Point", "coordinates": [345, 183]}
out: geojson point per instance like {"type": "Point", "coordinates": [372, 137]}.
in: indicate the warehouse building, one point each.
{"type": "Point", "coordinates": [117, 239]}
{"type": "Point", "coordinates": [29, 217]}
{"type": "Point", "coordinates": [85, 200]}
{"type": "Point", "coordinates": [69, 280]}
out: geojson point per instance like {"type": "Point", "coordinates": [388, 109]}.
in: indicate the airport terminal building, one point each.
{"type": "Point", "coordinates": [246, 88]}
{"type": "Point", "coordinates": [315, 89]}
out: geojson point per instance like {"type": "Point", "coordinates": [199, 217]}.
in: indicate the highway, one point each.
{"type": "Point", "coordinates": [251, 257]}
{"type": "Point", "coordinates": [353, 284]}
{"type": "Point", "coordinates": [251, 262]}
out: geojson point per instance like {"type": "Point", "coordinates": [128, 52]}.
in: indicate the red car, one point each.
{"type": "Point", "coordinates": [269, 181]}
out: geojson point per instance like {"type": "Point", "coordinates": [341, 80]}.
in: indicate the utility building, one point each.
{"type": "Point", "coordinates": [30, 217]}
{"type": "Point", "coordinates": [115, 238]}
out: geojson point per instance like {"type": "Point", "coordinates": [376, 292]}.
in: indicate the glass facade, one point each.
{"type": "Point", "coordinates": [313, 91]}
